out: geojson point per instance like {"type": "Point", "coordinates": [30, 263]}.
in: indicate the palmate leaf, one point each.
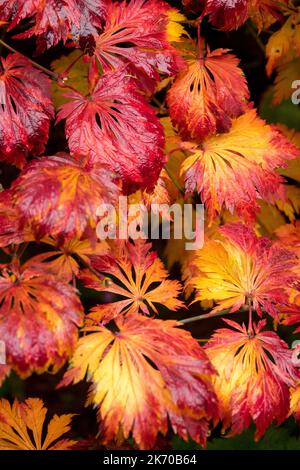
{"type": "Point", "coordinates": [53, 196]}
{"type": "Point", "coordinates": [105, 123]}
{"type": "Point", "coordinates": [227, 15]}
{"type": "Point", "coordinates": [10, 230]}
{"type": "Point", "coordinates": [39, 319]}
{"type": "Point", "coordinates": [62, 260]}
{"type": "Point", "coordinates": [242, 267]}
{"type": "Point", "coordinates": [138, 276]}
{"type": "Point", "coordinates": [287, 74]}
{"type": "Point", "coordinates": [284, 45]}
{"type": "Point", "coordinates": [55, 20]}
{"type": "Point", "coordinates": [25, 109]}
{"type": "Point", "coordinates": [143, 374]}
{"type": "Point", "coordinates": [233, 170]}
{"type": "Point", "coordinates": [22, 426]}
{"type": "Point", "coordinates": [136, 33]}
{"type": "Point", "coordinates": [207, 95]}
{"type": "Point", "coordinates": [255, 371]}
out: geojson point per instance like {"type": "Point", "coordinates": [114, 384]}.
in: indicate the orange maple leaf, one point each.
{"type": "Point", "coordinates": [232, 170]}
{"type": "Point", "coordinates": [22, 426]}
{"type": "Point", "coordinates": [289, 236]}
{"type": "Point", "coordinates": [243, 267]}
{"type": "Point", "coordinates": [255, 372]}
{"type": "Point", "coordinates": [62, 261]}
{"type": "Point", "coordinates": [138, 276]}
{"type": "Point", "coordinates": [143, 373]}
{"type": "Point", "coordinates": [207, 95]}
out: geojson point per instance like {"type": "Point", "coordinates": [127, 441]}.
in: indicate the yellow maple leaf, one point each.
{"type": "Point", "coordinates": [242, 267]}
{"type": "Point", "coordinates": [284, 45]}
{"type": "Point", "coordinates": [17, 420]}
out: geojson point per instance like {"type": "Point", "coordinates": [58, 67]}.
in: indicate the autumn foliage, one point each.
{"type": "Point", "coordinates": [145, 100]}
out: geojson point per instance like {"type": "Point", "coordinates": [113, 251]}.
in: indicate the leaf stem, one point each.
{"type": "Point", "coordinates": [53, 75]}
{"type": "Point", "coordinates": [210, 315]}
{"type": "Point", "coordinates": [250, 324]}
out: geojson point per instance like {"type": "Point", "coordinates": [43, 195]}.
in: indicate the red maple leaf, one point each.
{"type": "Point", "coordinates": [136, 33]}
{"type": "Point", "coordinates": [10, 231]}
{"type": "Point", "coordinates": [25, 111]}
{"type": "Point", "coordinates": [227, 15]}
{"type": "Point", "coordinates": [116, 126]}
{"type": "Point", "coordinates": [59, 196]}
{"type": "Point", "coordinates": [207, 95]}
{"type": "Point", "coordinates": [55, 20]}
{"type": "Point", "coordinates": [39, 319]}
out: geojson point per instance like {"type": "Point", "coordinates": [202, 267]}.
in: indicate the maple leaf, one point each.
{"type": "Point", "coordinates": [53, 196]}
{"type": "Point", "coordinates": [136, 33]}
{"type": "Point", "coordinates": [284, 45]}
{"type": "Point", "coordinates": [295, 402]}
{"type": "Point", "coordinates": [143, 374]}
{"type": "Point", "coordinates": [266, 12]}
{"type": "Point", "coordinates": [105, 125]}
{"type": "Point", "coordinates": [232, 170]}
{"type": "Point", "coordinates": [10, 230]}
{"type": "Point", "coordinates": [227, 15]}
{"type": "Point", "coordinates": [138, 276]}
{"type": "Point", "coordinates": [289, 236]}
{"type": "Point", "coordinates": [22, 427]}
{"type": "Point", "coordinates": [55, 20]}
{"type": "Point", "coordinates": [287, 74]}
{"type": "Point", "coordinates": [242, 267]}
{"type": "Point", "coordinates": [26, 109]}
{"type": "Point", "coordinates": [39, 319]}
{"type": "Point", "coordinates": [207, 95]}
{"type": "Point", "coordinates": [254, 375]}
{"type": "Point", "coordinates": [62, 260]}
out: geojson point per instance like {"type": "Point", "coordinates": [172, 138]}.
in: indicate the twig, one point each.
{"type": "Point", "coordinates": [211, 315]}
{"type": "Point", "coordinates": [53, 75]}
{"type": "Point", "coordinates": [258, 41]}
